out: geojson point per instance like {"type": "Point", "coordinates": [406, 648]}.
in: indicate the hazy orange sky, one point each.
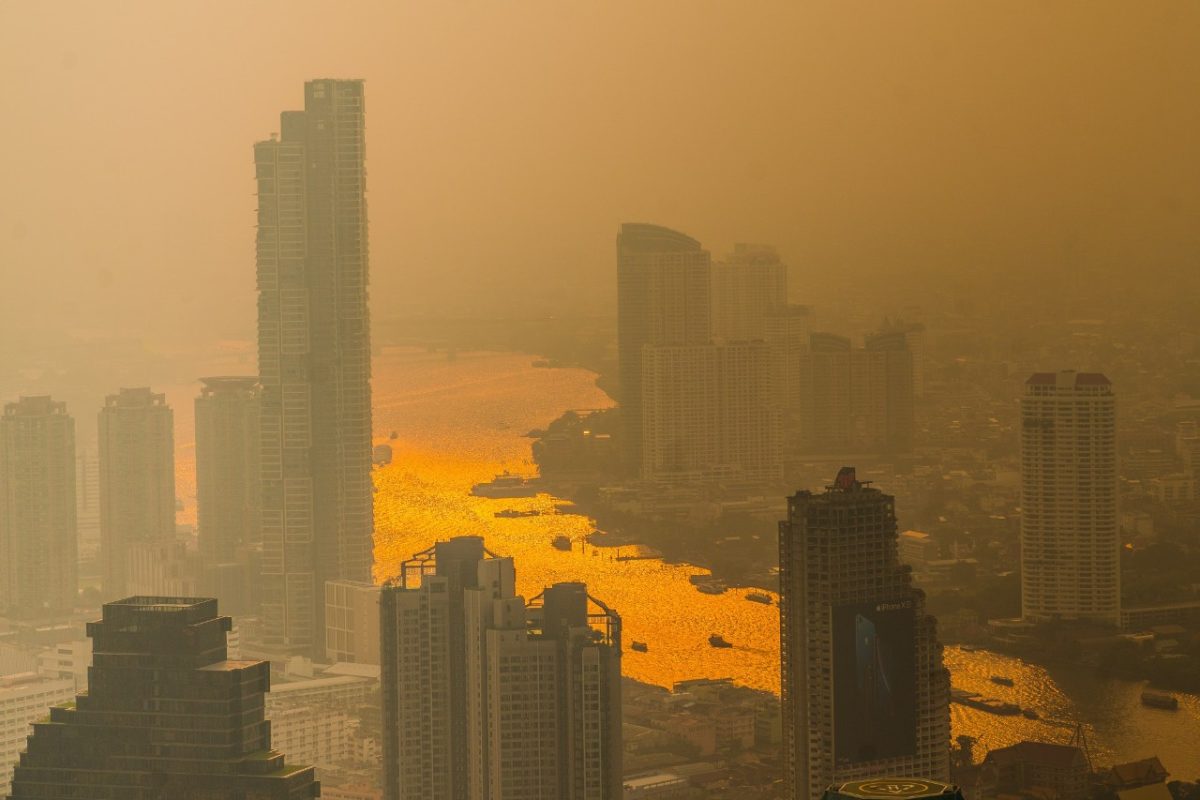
{"type": "Point", "coordinates": [506, 141]}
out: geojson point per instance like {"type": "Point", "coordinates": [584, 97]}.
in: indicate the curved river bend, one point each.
{"type": "Point", "coordinates": [460, 422]}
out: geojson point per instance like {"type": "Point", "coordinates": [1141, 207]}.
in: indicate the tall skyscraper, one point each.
{"type": "Point", "coordinates": [663, 298]}
{"type": "Point", "coordinates": [137, 480]}
{"type": "Point", "coordinates": [855, 400]}
{"type": "Point", "coordinates": [864, 688]}
{"type": "Point", "coordinates": [228, 488]}
{"type": "Point", "coordinates": [707, 413]}
{"type": "Point", "coordinates": [165, 715]}
{"type": "Point", "coordinates": [1070, 547]}
{"type": "Point", "coordinates": [488, 697]}
{"type": "Point", "coordinates": [314, 360]}
{"type": "Point", "coordinates": [38, 538]}
{"type": "Point", "coordinates": [748, 286]}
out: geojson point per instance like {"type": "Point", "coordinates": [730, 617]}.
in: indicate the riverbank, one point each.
{"type": "Point", "coordinates": [740, 551]}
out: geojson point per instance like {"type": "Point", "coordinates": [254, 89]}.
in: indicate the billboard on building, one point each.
{"type": "Point", "coordinates": [874, 681]}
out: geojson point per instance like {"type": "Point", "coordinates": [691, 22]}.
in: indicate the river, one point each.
{"type": "Point", "coordinates": [461, 422]}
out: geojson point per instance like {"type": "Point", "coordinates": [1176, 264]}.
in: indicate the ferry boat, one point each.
{"type": "Point", "coordinates": [759, 597]}
{"type": "Point", "coordinates": [1161, 700]}
{"type": "Point", "coordinates": [561, 543]}
{"type": "Point", "coordinates": [1003, 680]}
{"type": "Point", "coordinates": [512, 513]}
{"type": "Point", "coordinates": [989, 704]}
{"type": "Point", "coordinates": [639, 646]}
{"type": "Point", "coordinates": [716, 640]}
{"type": "Point", "coordinates": [503, 486]}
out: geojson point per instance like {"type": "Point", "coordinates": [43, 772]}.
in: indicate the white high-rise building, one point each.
{"type": "Point", "coordinates": [707, 413]}
{"type": "Point", "coordinates": [864, 689]}
{"type": "Point", "coordinates": [1070, 543]}
{"type": "Point", "coordinates": [489, 697]}
{"type": "Point", "coordinates": [24, 699]}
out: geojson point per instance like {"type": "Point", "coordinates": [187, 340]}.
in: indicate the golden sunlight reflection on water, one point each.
{"type": "Point", "coordinates": [461, 422]}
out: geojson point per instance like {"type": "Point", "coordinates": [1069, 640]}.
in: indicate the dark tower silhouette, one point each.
{"type": "Point", "coordinates": [165, 716]}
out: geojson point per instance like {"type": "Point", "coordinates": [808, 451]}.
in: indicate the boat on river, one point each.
{"type": "Point", "coordinates": [1003, 680]}
{"type": "Point", "coordinates": [759, 597]}
{"type": "Point", "coordinates": [1029, 713]}
{"type": "Point", "coordinates": [1167, 702]}
{"type": "Point", "coordinates": [505, 485]}
{"type": "Point", "coordinates": [716, 640]}
{"type": "Point", "coordinates": [989, 704]}
{"type": "Point", "coordinates": [640, 647]}
{"type": "Point", "coordinates": [512, 513]}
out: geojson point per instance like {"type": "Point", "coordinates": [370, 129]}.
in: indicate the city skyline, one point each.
{"type": "Point", "coordinates": [699, 401]}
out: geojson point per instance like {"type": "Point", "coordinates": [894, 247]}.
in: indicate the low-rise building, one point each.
{"type": "Point", "coordinates": [1026, 766]}
{"type": "Point", "coordinates": [655, 785]}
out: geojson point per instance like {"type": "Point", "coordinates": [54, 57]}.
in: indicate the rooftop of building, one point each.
{"type": "Point", "coordinates": [1145, 770]}
{"type": "Point", "coordinates": [644, 237]}
{"type": "Point", "coordinates": [228, 666]}
{"type": "Point", "coordinates": [1062, 756]}
{"type": "Point", "coordinates": [220, 382]}
{"type": "Point", "coordinates": [351, 669]}
{"type": "Point", "coordinates": [1066, 378]}
{"type": "Point", "coordinates": [139, 397]}
{"type": "Point", "coordinates": [35, 406]}
{"type": "Point", "coordinates": [155, 611]}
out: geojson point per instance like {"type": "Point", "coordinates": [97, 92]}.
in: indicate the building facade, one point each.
{"type": "Point", "coordinates": [165, 715]}
{"type": "Point", "coordinates": [864, 689]}
{"type": "Point", "coordinates": [38, 535]}
{"type": "Point", "coordinates": [663, 298]}
{"type": "Point", "coordinates": [314, 361]}
{"type": "Point", "coordinates": [352, 622]}
{"type": "Point", "coordinates": [707, 413]}
{"type": "Point", "coordinates": [488, 697]}
{"type": "Point", "coordinates": [748, 287]}
{"type": "Point", "coordinates": [1070, 533]}
{"type": "Point", "coordinates": [228, 488]}
{"type": "Point", "coordinates": [137, 480]}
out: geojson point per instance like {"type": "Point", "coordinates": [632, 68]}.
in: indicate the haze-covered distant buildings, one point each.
{"type": "Point", "coordinates": [695, 370]}
{"type": "Point", "coordinates": [228, 488]}
{"type": "Point", "coordinates": [749, 286]}
{"type": "Point", "coordinates": [314, 361]}
{"type": "Point", "coordinates": [137, 483]}
{"type": "Point", "coordinates": [864, 689]}
{"type": "Point", "coordinates": [486, 695]}
{"type": "Point", "coordinates": [663, 298]}
{"type": "Point", "coordinates": [38, 536]}
{"type": "Point", "coordinates": [855, 400]}
{"type": "Point", "coordinates": [1070, 536]}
